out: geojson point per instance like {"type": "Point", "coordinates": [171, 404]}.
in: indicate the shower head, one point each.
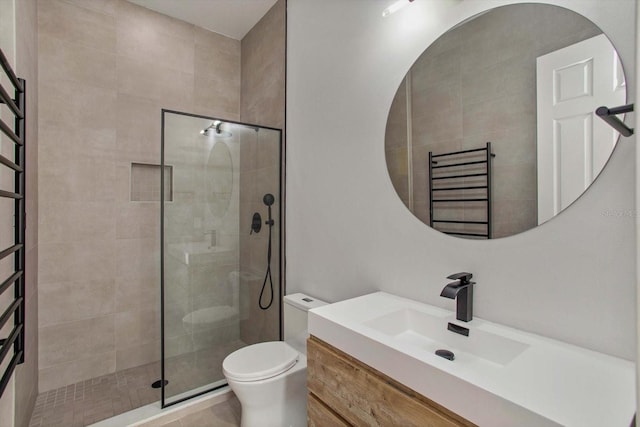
{"type": "Point", "coordinates": [268, 199]}
{"type": "Point", "coordinates": [214, 129]}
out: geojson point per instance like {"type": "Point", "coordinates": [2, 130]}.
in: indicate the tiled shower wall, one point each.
{"type": "Point", "coordinates": [18, 40]}
{"type": "Point", "coordinates": [107, 67]}
{"type": "Point", "coordinates": [263, 100]}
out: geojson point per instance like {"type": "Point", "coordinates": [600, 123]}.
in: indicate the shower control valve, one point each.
{"type": "Point", "coordinates": [256, 223]}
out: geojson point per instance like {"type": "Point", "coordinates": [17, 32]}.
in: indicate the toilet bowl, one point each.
{"type": "Point", "coordinates": [270, 378]}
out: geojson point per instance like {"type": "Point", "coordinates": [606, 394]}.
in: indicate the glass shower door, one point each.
{"type": "Point", "coordinates": [213, 265]}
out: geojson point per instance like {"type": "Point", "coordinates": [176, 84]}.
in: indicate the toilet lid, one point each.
{"type": "Point", "coordinates": [259, 361]}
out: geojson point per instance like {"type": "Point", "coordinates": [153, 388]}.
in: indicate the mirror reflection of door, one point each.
{"type": "Point", "coordinates": [574, 144]}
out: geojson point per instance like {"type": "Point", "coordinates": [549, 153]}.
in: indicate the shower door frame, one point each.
{"type": "Point", "coordinates": [281, 182]}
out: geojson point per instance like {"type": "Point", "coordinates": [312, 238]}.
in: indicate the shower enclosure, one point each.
{"type": "Point", "coordinates": [219, 268]}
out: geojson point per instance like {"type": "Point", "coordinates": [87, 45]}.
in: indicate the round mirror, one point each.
{"type": "Point", "coordinates": [219, 179]}
{"type": "Point", "coordinates": [493, 130]}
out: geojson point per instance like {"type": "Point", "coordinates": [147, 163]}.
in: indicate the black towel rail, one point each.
{"type": "Point", "coordinates": [456, 192]}
{"type": "Point", "coordinates": [468, 175]}
{"type": "Point", "coordinates": [16, 308]}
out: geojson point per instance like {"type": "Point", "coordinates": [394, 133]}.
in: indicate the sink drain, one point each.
{"type": "Point", "coordinates": [159, 383]}
{"type": "Point", "coordinates": [446, 354]}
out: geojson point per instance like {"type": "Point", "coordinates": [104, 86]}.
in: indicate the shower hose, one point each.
{"type": "Point", "coordinates": [267, 277]}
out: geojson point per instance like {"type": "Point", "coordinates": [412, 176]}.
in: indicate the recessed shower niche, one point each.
{"type": "Point", "coordinates": [145, 183]}
{"type": "Point", "coordinates": [213, 268]}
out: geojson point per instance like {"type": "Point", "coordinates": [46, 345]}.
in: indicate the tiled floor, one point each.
{"type": "Point", "coordinates": [89, 401]}
{"type": "Point", "coordinates": [93, 400]}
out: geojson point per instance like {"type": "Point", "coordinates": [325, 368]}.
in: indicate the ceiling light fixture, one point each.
{"type": "Point", "coordinates": [394, 7]}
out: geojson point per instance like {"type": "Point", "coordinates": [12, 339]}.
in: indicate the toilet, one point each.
{"type": "Point", "coordinates": [270, 378]}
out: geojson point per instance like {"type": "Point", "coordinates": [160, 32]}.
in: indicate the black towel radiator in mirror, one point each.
{"type": "Point", "coordinates": [447, 179]}
{"type": "Point", "coordinates": [16, 280]}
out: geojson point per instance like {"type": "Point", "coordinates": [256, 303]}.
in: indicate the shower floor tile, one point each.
{"type": "Point", "coordinates": [96, 399]}
{"type": "Point", "coordinates": [87, 402]}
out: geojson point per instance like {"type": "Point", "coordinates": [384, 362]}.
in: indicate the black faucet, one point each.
{"type": "Point", "coordinates": [462, 290]}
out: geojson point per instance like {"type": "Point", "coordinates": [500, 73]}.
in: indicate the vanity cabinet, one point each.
{"type": "Point", "coordinates": [345, 392]}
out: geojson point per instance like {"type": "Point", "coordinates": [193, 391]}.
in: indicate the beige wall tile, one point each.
{"type": "Point", "coordinates": [138, 128]}
{"type": "Point", "coordinates": [65, 146]}
{"type": "Point", "coordinates": [145, 77]}
{"type": "Point", "coordinates": [137, 259]}
{"type": "Point", "coordinates": [76, 63]}
{"type": "Point", "coordinates": [63, 221]}
{"type": "Point", "coordinates": [138, 38]}
{"type": "Point", "coordinates": [217, 96]}
{"type": "Point", "coordinates": [73, 341]}
{"type": "Point", "coordinates": [31, 282]}
{"type": "Point", "coordinates": [31, 207]}
{"type": "Point", "coordinates": [434, 70]}
{"type": "Point", "coordinates": [68, 22]}
{"type": "Point", "coordinates": [75, 300]}
{"type": "Point", "coordinates": [248, 153]}
{"type": "Point", "coordinates": [88, 366]}
{"type": "Point", "coordinates": [74, 261]}
{"type": "Point", "coordinates": [514, 76]}
{"type": "Point", "coordinates": [133, 294]}
{"type": "Point", "coordinates": [216, 42]}
{"type": "Point", "coordinates": [137, 220]}
{"type": "Point", "coordinates": [136, 355]}
{"type": "Point", "coordinates": [515, 182]}
{"type": "Point", "coordinates": [87, 178]}
{"type": "Point", "coordinates": [217, 56]}
{"type": "Point", "coordinates": [137, 327]}
{"type": "Point", "coordinates": [263, 59]}
{"type": "Point", "coordinates": [71, 105]}
{"type": "Point", "coordinates": [217, 75]}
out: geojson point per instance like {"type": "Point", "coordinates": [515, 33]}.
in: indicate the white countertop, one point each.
{"type": "Point", "coordinates": [551, 383]}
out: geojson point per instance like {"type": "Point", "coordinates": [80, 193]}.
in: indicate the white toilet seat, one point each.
{"type": "Point", "coordinates": [259, 361]}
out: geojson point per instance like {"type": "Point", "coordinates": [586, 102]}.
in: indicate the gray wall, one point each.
{"type": "Point", "coordinates": [348, 234]}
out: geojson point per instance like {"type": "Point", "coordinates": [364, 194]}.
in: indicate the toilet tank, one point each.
{"type": "Point", "coordinates": [296, 308]}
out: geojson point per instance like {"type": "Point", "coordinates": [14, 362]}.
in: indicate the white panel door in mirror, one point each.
{"type": "Point", "coordinates": [573, 147]}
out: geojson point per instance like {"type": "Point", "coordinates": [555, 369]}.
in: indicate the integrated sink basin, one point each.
{"type": "Point", "coordinates": [429, 332]}
{"type": "Point", "coordinates": [499, 377]}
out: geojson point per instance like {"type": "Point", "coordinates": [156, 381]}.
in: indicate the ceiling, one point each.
{"type": "Point", "coordinates": [232, 18]}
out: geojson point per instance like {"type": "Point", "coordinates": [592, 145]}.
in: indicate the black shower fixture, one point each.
{"type": "Point", "coordinates": [268, 200]}
{"type": "Point", "coordinates": [256, 223]}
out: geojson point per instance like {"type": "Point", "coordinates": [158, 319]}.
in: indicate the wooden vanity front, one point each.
{"type": "Point", "coordinates": [345, 392]}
